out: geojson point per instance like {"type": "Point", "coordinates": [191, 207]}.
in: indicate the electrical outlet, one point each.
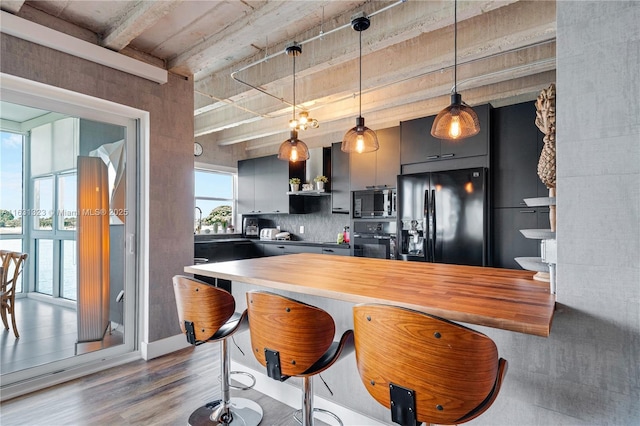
{"type": "Point", "coordinates": [302, 229]}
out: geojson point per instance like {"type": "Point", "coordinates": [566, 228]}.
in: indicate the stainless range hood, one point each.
{"type": "Point", "coordinates": [318, 164]}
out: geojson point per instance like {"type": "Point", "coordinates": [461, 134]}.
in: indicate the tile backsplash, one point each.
{"type": "Point", "coordinates": [320, 225]}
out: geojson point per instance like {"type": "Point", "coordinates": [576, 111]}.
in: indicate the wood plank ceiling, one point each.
{"type": "Point", "coordinates": [506, 53]}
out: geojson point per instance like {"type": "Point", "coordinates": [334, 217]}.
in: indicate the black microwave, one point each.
{"type": "Point", "coordinates": [374, 203]}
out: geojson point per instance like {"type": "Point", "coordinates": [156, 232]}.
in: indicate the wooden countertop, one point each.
{"type": "Point", "coordinates": [500, 298]}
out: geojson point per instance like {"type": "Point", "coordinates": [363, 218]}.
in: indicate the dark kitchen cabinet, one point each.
{"type": "Point", "coordinates": [418, 146]}
{"type": "Point", "coordinates": [507, 240]}
{"type": "Point", "coordinates": [516, 147]}
{"type": "Point", "coordinates": [379, 168]}
{"type": "Point", "coordinates": [263, 184]}
{"type": "Point", "coordinates": [339, 179]}
{"type": "Point", "coordinates": [278, 249]}
{"type": "Point", "coordinates": [336, 251]}
{"type": "Point", "coordinates": [246, 186]}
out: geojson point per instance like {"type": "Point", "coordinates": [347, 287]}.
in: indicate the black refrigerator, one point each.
{"type": "Point", "coordinates": [443, 217]}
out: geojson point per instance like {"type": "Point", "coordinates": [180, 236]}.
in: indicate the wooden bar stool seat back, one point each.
{"type": "Point", "coordinates": [291, 338]}
{"type": "Point", "coordinates": [434, 370]}
{"type": "Point", "coordinates": [207, 314]}
{"type": "Point", "coordinates": [12, 266]}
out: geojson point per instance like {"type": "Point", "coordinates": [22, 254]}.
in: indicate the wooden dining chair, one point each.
{"type": "Point", "coordinates": [207, 314]}
{"type": "Point", "coordinates": [12, 266]}
{"type": "Point", "coordinates": [291, 338]}
{"type": "Point", "coordinates": [425, 368]}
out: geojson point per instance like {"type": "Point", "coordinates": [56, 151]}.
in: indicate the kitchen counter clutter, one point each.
{"type": "Point", "coordinates": [492, 297]}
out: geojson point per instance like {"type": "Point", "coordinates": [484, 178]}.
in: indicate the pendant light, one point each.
{"type": "Point", "coordinates": [360, 138]}
{"type": "Point", "coordinates": [458, 120]}
{"type": "Point", "coordinates": [293, 149]}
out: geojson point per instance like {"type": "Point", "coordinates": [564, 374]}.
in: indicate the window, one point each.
{"type": "Point", "coordinates": [215, 199]}
{"type": "Point", "coordinates": [11, 191]}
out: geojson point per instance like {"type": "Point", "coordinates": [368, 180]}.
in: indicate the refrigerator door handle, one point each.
{"type": "Point", "coordinates": [426, 241]}
{"type": "Point", "coordinates": [433, 225]}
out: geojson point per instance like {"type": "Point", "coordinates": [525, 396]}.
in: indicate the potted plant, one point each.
{"type": "Point", "coordinates": [295, 184]}
{"type": "Point", "coordinates": [320, 181]}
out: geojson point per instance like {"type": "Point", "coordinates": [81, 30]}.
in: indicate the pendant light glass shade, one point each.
{"type": "Point", "coordinates": [293, 149]}
{"type": "Point", "coordinates": [458, 120]}
{"type": "Point", "coordinates": [360, 138]}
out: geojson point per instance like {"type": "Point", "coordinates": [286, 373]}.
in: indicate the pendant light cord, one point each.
{"type": "Point", "coordinates": [360, 64]}
{"type": "Point", "coordinates": [455, 46]}
{"type": "Point", "coordinates": [294, 85]}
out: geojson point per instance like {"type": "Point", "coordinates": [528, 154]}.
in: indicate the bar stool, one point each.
{"type": "Point", "coordinates": [425, 368]}
{"type": "Point", "coordinates": [291, 338]}
{"type": "Point", "coordinates": [207, 314]}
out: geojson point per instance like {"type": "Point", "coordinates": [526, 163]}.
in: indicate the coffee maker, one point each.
{"type": "Point", "coordinates": [413, 243]}
{"type": "Point", "coordinates": [250, 227]}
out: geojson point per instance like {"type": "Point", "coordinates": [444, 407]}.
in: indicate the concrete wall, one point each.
{"type": "Point", "coordinates": [170, 151]}
{"type": "Point", "coordinates": [588, 370]}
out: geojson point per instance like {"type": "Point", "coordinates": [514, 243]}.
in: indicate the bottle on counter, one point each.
{"type": "Point", "coordinates": [340, 238]}
{"type": "Point", "coordinates": [345, 234]}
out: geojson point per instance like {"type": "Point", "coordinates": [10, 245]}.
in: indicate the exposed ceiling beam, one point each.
{"type": "Point", "coordinates": [12, 6]}
{"type": "Point", "coordinates": [143, 16]}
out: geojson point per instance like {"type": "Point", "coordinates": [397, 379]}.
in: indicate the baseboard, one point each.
{"type": "Point", "coordinates": [291, 396]}
{"type": "Point", "coordinates": [163, 346]}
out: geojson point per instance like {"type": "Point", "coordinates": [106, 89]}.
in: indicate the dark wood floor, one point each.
{"type": "Point", "coordinates": [162, 391]}
{"type": "Point", "coordinates": [47, 333]}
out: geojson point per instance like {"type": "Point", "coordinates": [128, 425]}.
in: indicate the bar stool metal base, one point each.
{"type": "Point", "coordinates": [297, 415]}
{"type": "Point", "coordinates": [244, 412]}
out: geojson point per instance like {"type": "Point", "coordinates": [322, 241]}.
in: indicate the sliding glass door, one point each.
{"type": "Point", "coordinates": [42, 140]}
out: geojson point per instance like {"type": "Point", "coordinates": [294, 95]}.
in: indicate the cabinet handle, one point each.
{"type": "Point", "coordinates": [433, 157]}
{"type": "Point", "coordinates": [337, 208]}
{"type": "Point", "coordinates": [280, 247]}
{"type": "Point", "coordinates": [276, 211]}
{"type": "Point", "coordinates": [370, 187]}
{"type": "Point", "coordinates": [527, 211]}
{"type": "Point", "coordinates": [327, 250]}
{"type": "Point", "coordinates": [447, 155]}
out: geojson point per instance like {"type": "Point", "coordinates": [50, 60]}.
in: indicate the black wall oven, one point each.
{"type": "Point", "coordinates": [374, 239]}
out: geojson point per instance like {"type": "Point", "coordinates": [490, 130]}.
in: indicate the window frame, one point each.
{"type": "Point", "coordinates": [233, 172]}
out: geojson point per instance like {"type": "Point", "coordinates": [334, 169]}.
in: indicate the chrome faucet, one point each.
{"type": "Point", "coordinates": [199, 227]}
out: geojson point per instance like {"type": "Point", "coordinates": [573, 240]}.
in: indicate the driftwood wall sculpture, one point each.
{"type": "Point", "coordinates": [546, 122]}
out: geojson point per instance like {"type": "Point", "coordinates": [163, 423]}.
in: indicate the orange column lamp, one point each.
{"type": "Point", "coordinates": [93, 249]}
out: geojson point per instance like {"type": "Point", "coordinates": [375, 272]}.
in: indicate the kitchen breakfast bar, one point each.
{"type": "Point", "coordinates": [502, 299]}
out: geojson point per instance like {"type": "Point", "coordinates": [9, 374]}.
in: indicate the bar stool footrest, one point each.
{"type": "Point", "coordinates": [297, 415]}
{"type": "Point", "coordinates": [243, 373]}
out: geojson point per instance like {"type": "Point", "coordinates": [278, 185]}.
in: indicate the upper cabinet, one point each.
{"type": "Point", "coordinates": [418, 146]}
{"type": "Point", "coordinates": [515, 150]}
{"type": "Point", "coordinates": [379, 168]}
{"type": "Point", "coordinates": [340, 200]}
{"type": "Point", "coordinates": [263, 184]}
